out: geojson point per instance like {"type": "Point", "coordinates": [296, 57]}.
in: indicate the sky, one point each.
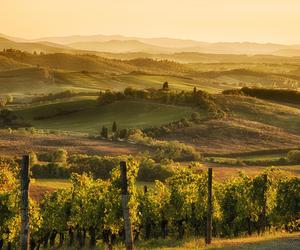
{"type": "Point", "coordinates": [275, 21]}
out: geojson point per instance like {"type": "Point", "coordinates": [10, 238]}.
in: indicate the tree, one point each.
{"type": "Point", "coordinates": [165, 86]}
{"type": "Point", "coordinates": [33, 158]}
{"type": "Point", "coordinates": [9, 99]}
{"type": "Point", "coordinates": [60, 155]}
{"type": "Point", "coordinates": [114, 127]}
{"type": "Point", "coordinates": [123, 133]}
{"type": "Point", "coordinates": [104, 132]}
{"type": "Point", "coordinates": [3, 102]}
{"type": "Point", "coordinates": [294, 156]}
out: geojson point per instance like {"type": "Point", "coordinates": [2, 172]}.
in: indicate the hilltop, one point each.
{"type": "Point", "coordinates": [32, 46]}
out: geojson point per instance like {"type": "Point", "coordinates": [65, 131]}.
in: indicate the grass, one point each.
{"type": "Point", "coordinates": [265, 157]}
{"type": "Point", "coordinates": [98, 81]}
{"type": "Point", "coordinates": [66, 183]}
{"type": "Point", "coordinates": [274, 241]}
{"type": "Point", "coordinates": [274, 114]}
{"type": "Point", "coordinates": [222, 173]}
{"type": "Point", "coordinates": [87, 116]}
{"type": "Point", "coordinates": [52, 183]}
{"type": "Point", "coordinates": [19, 141]}
{"type": "Point", "coordinates": [30, 81]}
{"type": "Point", "coordinates": [262, 157]}
{"type": "Point", "coordinates": [278, 241]}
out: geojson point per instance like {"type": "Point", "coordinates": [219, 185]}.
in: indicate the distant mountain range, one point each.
{"type": "Point", "coordinates": [122, 44]}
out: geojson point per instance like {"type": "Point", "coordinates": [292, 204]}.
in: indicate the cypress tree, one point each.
{"type": "Point", "coordinates": [114, 127]}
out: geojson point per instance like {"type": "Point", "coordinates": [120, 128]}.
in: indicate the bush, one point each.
{"type": "Point", "coordinates": [174, 150]}
{"type": "Point", "coordinates": [101, 167]}
{"type": "Point", "coordinates": [151, 171]}
{"type": "Point", "coordinates": [284, 95]}
{"type": "Point", "coordinates": [294, 156]}
{"type": "Point", "coordinates": [33, 158]}
{"type": "Point", "coordinates": [60, 156]}
{"type": "Point", "coordinates": [51, 170]}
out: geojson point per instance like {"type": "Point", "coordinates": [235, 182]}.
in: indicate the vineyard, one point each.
{"type": "Point", "coordinates": [89, 214]}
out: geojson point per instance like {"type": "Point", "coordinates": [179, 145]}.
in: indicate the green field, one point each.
{"type": "Point", "coordinates": [87, 116]}
{"type": "Point", "coordinates": [98, 81]}
{"type": "Point", "coordinates": [30, 81]}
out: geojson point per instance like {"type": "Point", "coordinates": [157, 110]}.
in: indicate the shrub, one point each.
{"type": "Point", "coordinates": [174, 150]}
{"type": "Point", "coordinates": [60, 156]}
{"type": "Point", "coordinates": [51, 170]}
{"type": "Point", "coordinates": [104, 132]}
{"type": "Point", "coordinates": [123, 133]}
{"type": "Point", "coordinates": [33, 158]}
{"type": "Point", "coordinates": [294, 156]}
{"type": "Point", "coordinates": [151, 171]}
{"type": "Point", "coordinates": [284, 95]}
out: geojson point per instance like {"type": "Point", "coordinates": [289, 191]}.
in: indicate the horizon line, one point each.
{"type": "Point", "coordinates": [30, 39]}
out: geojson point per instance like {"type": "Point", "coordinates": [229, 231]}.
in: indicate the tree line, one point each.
{"type": "Point", "coordinates": [165, 95]}
{"type": "Point", "coordinates": [283, 95]}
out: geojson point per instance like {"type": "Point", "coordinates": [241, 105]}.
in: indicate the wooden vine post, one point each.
{"type": "Point", "coordinates": [24, 175]}
{"type": "Point", "coordinates": [209, 208]}
{"type": "Point", "coordinates": [264, 209]}
{"type": "Point", "coordinates": [125, 207]}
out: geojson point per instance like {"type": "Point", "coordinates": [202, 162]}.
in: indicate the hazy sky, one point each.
{"type": "Point", "coordinates": [205, 20]}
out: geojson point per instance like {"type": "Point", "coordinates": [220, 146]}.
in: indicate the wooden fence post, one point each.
{"type": "Point", "coordinates": [264, 209]}
{"type": "Point", "coordinates": [209, 208]}
{"type": "Point", "coordinates": [126, 216]}
{"type": "Point", "coordinates": [145, 189]}
{"type": "Point", "coordinates": [24, 175]}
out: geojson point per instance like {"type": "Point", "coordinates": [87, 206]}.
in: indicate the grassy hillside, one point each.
{"type": "Point", "coordinates": [273, 114]}
{"type": "Point", "coordinates": [84, 72]}
{"type": "Point", "coordinates": [10, 64]}
{"type": "Point", "coordinates": [33, 80]}
{"type": "Point", "coordinates": [233, 135]}
{"type": "Point", "coordinates": [249, 125]}
{"type": "Point", "coordinates": [87, 116]}
{"type": "Point", "coordinates": [25, 81]}
{"type": "Point", "coordinates": [16, 143]}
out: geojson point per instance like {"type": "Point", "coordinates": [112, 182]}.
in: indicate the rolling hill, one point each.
{"type": "Point", "coordinates": [32, 46]}
{"type": "Point", "coordinates": [250, 124]}
{"type": "Point", "coordinates": [10, 64]}
{"type": "Point", "coordinates": [287, 52]}
{"type": "Point", "coordinates": [118, 43]}
{"type": "Point", "coordinates": [84, 72]}
{"type": "Point", "coordinates": [119, 46]}
{"type": "Point", "coordinates": [86, 116]}
{"type": "Point", "coordinates": [25, 81]}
